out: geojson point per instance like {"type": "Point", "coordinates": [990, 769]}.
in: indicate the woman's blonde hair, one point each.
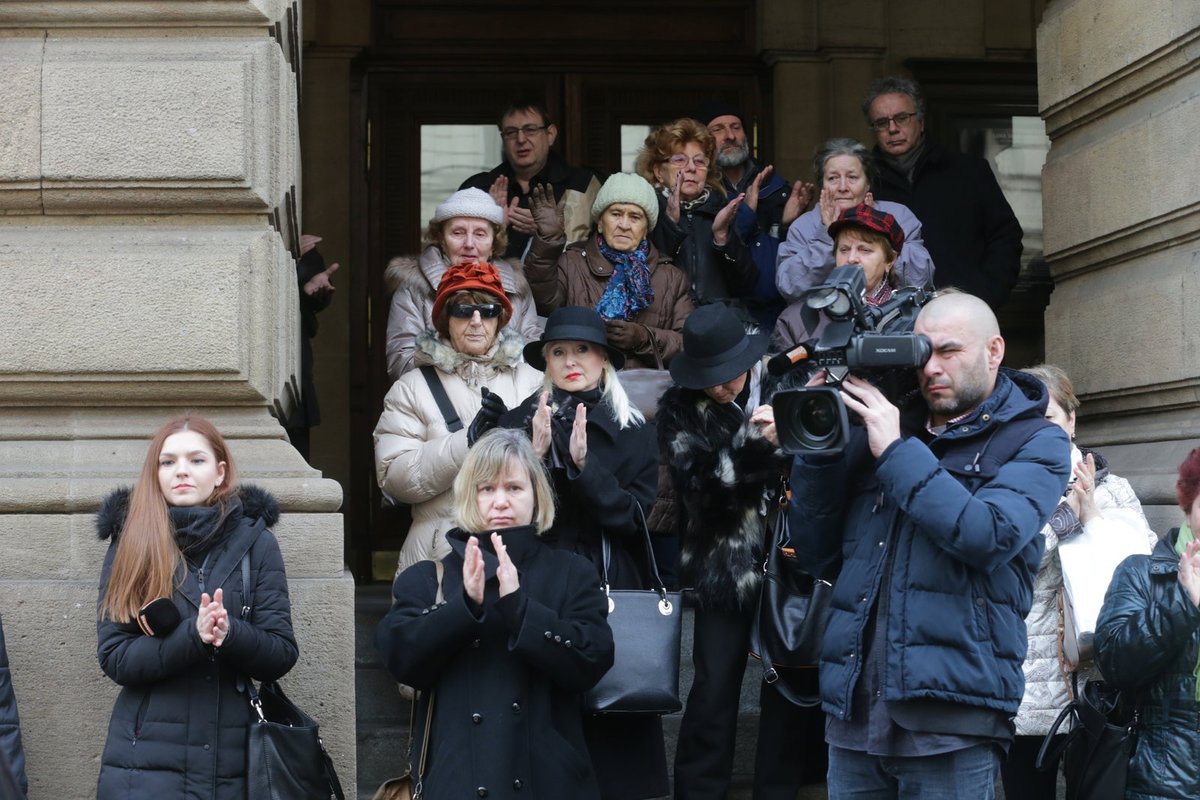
{"type": "Point", "coordinates": [146, 564]}
{"type": "Point", "coordinates": [486, 460]}
{"type": "Point", "coordinates": [613, 392]}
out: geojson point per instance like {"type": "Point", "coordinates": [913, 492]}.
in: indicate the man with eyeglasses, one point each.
{"type": "Point", "coordinates": [770, 207]}
{"type": "Point", "coordinates": [528, 134]}
{"type": "Point", "coordinates": [969, 227]}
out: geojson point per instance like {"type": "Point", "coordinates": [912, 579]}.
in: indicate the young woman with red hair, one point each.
{"type": "Point", "coordinates": [179, 629]}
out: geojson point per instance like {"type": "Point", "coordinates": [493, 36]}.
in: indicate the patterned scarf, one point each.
{"type": "Point", "coordinates": [628, 290]}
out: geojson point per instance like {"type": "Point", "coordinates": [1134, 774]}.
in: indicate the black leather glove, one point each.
{"type": "Point", "coordinates": [490, 411]}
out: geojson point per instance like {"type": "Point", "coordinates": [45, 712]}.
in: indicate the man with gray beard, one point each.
{"type": "Point", "coordinates": [769, 208]}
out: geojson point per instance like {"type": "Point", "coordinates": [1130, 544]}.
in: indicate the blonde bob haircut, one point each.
{"type": "Point", "coordinates": [485, 461]}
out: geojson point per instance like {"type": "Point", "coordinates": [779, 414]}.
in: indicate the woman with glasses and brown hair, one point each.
{"type": "Point", "coordinates": [467, 372]}
{"type": "Point", "coordinates": [695, 219]}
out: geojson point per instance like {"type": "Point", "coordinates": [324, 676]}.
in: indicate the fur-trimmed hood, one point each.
{"type": "Point", "coordinates": [421, 274]}
{"type": "Point", "coordinates": [505, 353]}
{"type": "Point", "coordinates": [256, 504]}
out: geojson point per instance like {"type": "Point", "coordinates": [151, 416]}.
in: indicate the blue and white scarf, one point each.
{"type": "Point", "coordinates": [628, 290]}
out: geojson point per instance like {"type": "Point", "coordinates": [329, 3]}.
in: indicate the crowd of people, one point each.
{"type": "Point", "coordinates": [519, 340]}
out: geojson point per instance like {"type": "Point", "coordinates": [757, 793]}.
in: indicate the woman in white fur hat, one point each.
{"type": "Point", "coordinates": [643, 298]}
{"type": "Point", "coordinates": [467, 227]}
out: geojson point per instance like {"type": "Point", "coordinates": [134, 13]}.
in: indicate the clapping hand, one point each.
{"type": "Point", "coordinates": [506, 572]}
{"type": "Point", "coordinates": [547, 216]}
{"type": "Point", "coordinates": [797, 202]}
{"type": "Point", "coordinates": [1189, 571]}
{"type": "Point", "coordinates": [212, 623]}
{"type": "Point", "coordinates": [491, 408]}
{"type": "Point", "coordinates": [828, 208]}
{"type": "Point", "coordinates": [673, 202]}
{"type": "Point", "coordinates": [724, 219]}
{"type": "Point", "coordinates": [579, 436]}
{"type": "Point", "coordinates": [473, 579]}
{"type": "Point", "coordinates": [540, 433]}
{"type": "Point", "coordinates": [1081, 495]}
{"type": "Point", "coordinates": [321, 283]}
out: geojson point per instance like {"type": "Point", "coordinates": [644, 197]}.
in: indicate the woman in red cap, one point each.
{"type": "Point", "coordinates": [863, 236]}
{"type": "Point", "coordinates": [467, 372]}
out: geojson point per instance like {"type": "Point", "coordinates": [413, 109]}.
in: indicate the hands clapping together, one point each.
{"type": "Point", "coordinates": [212, 623]}
{"type": "Point", "coordinates": [473, 572]}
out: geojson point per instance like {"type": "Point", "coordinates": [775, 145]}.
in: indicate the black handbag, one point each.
{"type": "Point", "coordinates": [646, 626]}
{"type": "Point", "coordinates": [1096, 752]}
{"type": "Point", "coordinates": [286, 759]}
{"type": "Point", "coordinates": [793, 610]}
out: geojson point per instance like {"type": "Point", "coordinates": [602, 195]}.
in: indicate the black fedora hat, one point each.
{"type": "Point", "coordinates": [576, 324]}
{"type": "Point", "coordinates": [716, 348]}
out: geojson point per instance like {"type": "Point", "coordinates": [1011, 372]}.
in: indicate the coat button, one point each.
{"type": "Point", "coordinates": [978, 601]}
{"type": "Point", "coordinates": [517, 784]}
{"type": "Point", "coordinates": [558, 640]}
{"type": "Point", "coordinates": [482, 791]}
{"type": "Point", "coordinates": [567, 643]}
{"type": "Point", "coordinates": [477, 718]}
{"type": "Point", "coordinates": [424, 610]}
{"type": "Point", "coordinates": [475, 644]}
{"type": "Point", "coordinates": [549, 635]}
{"type": "Point", "coordinates": [206, 747]}
{"type": "Point", "coordinates": [516, 708]}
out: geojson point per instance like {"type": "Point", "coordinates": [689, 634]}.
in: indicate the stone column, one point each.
{"type": "Point", "coordinates": [1118, 85]}
{"type": "Point", "coordinates": [149, 187]}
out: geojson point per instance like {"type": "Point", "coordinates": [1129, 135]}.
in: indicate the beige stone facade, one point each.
{"type": "Point", "coordinates": [1119, 84]}
{"type": "Point", "coordinates": [149, 187]}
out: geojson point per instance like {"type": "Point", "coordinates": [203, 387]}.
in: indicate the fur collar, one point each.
{"type": "Point", "coordinates": [420, 275]}
{"type": "Point", "coordinates": [256, 504]}
{"type": "Point", "coordinates": [432, 350]}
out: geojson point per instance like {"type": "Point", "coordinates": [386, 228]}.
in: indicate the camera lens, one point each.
{"type": "Point", "coordinates": [818, 418]}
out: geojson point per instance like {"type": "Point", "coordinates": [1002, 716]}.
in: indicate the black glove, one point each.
{"type": "Point", "coordinates": [490, 411]}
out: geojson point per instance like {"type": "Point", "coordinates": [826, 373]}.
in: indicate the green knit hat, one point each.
{"type": "Point", "coordinates": [623, 187]}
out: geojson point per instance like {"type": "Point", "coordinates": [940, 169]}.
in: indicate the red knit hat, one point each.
{"type": "Point", "coordinates": [480, 276]}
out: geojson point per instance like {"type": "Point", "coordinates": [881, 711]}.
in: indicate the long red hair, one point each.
{"type": "Point", "coordinates": [147, 558]}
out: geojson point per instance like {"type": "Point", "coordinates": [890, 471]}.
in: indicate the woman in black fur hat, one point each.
{"type": "Point", "coordinates": [176, 630]}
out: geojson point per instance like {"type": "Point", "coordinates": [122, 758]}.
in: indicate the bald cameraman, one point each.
{"type": "Point", "coordinates": [936, 509]}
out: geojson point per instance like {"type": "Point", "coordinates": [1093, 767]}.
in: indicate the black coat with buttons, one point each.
{"type": "Point", "coordinates": [507, 678]}
{"type": "Point", "coordinates": [178, 727]}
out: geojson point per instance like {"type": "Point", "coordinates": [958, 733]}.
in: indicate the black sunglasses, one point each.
{"type": "Point", "coordinates": [467, 310]}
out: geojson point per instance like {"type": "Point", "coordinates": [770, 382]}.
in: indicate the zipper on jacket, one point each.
{"type": "Point", "coordinates": [140, 718]}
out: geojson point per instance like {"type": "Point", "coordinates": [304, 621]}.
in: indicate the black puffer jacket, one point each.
{"type": "Point", "coordinates": [1147, 642]}
{"type": "Point", "coordinates": [716, 273]}
{"type": "Point", "coordinates": [719, 465]}
{"type": "Point", "coordinates": [178, 727]}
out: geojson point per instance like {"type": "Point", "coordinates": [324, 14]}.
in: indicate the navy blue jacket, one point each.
{"type": "Point", "coordinates": [965, 530]}
{"type": "Point", "coordinates": [1147, 641]}
{"type": "Point", "coordinates": [762, 231]}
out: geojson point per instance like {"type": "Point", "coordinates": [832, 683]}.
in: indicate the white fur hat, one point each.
{"type": "Point", "coordinates": [469, 203]}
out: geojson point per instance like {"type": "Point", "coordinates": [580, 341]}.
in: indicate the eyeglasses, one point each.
{"type": "Point", "coordinates": [883, 123]}
{"type": "Point", "coordinates": [526, 130]}
{"type": "Point", "coordinates": [467, 310]}
{"type": "Point", "coordinates": [681, 160]}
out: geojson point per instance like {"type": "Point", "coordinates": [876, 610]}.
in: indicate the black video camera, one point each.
{"type": "Point", "coordinates": [855, 336]}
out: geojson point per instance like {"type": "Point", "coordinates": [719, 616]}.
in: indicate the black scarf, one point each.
{"type": "Point", "coordinates": [562, 422]}
{"type": "Point", "coordinates": [906, 164]}
{"type": "Point", "coordinates": [198, 528]}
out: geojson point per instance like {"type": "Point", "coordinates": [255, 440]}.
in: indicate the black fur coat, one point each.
{"type": "Point", "coordinates": [720, 465]}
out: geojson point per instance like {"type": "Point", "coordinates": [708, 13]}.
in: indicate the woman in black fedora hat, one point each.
{"type": "Point", "coordinates": [719, 444]}
{"type": "Point", "coordinates": [602, 460]}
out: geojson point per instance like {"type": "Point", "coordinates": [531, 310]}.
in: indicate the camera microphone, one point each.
{"type": "Point", "coordinates": [780, 364]}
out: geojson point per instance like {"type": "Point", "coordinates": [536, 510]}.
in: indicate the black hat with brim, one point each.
{"type": "Point", "coordinates": [716, 348]}
{"type": "Point", "coordinates": [575, 324]}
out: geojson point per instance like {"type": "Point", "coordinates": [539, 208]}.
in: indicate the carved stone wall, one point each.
{"type": "Point", "coordinates": [149, 187]}
{"type": "Point", "coordinates": [1119, 83]}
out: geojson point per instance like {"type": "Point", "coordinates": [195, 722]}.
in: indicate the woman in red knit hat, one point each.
{"type": "Point", "coordinates": [467, 371]}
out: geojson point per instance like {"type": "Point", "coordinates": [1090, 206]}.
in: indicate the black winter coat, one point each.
{"type": "Point", "coordinates": [12, 769]}
{"type": "Point", "coordinates": [720, 466]}
{"type": "Point", "coordinates": [620, 473]}
{"type": "Point", "coordinates": [716, 273]}
{"type": "Point", "coordinates": [507, 678]}
{"type": "Point", "coordinates": [970, 229]}
{"type": "Point", "coordinates": [178, 728]}
{"type": "Point", "coordinates": [1147, 642]}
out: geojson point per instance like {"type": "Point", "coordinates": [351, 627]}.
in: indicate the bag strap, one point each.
{"type": "Point", "coordinates": [658, 361]}
{"type": "Point", "coordinates": [453, 423]}
{"type": "Point", "coordinates": [439, 598]}
{"type": "Point", "coordinates": [247, 589]}
{"type": "Point", "coordinates": [606, 555]}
